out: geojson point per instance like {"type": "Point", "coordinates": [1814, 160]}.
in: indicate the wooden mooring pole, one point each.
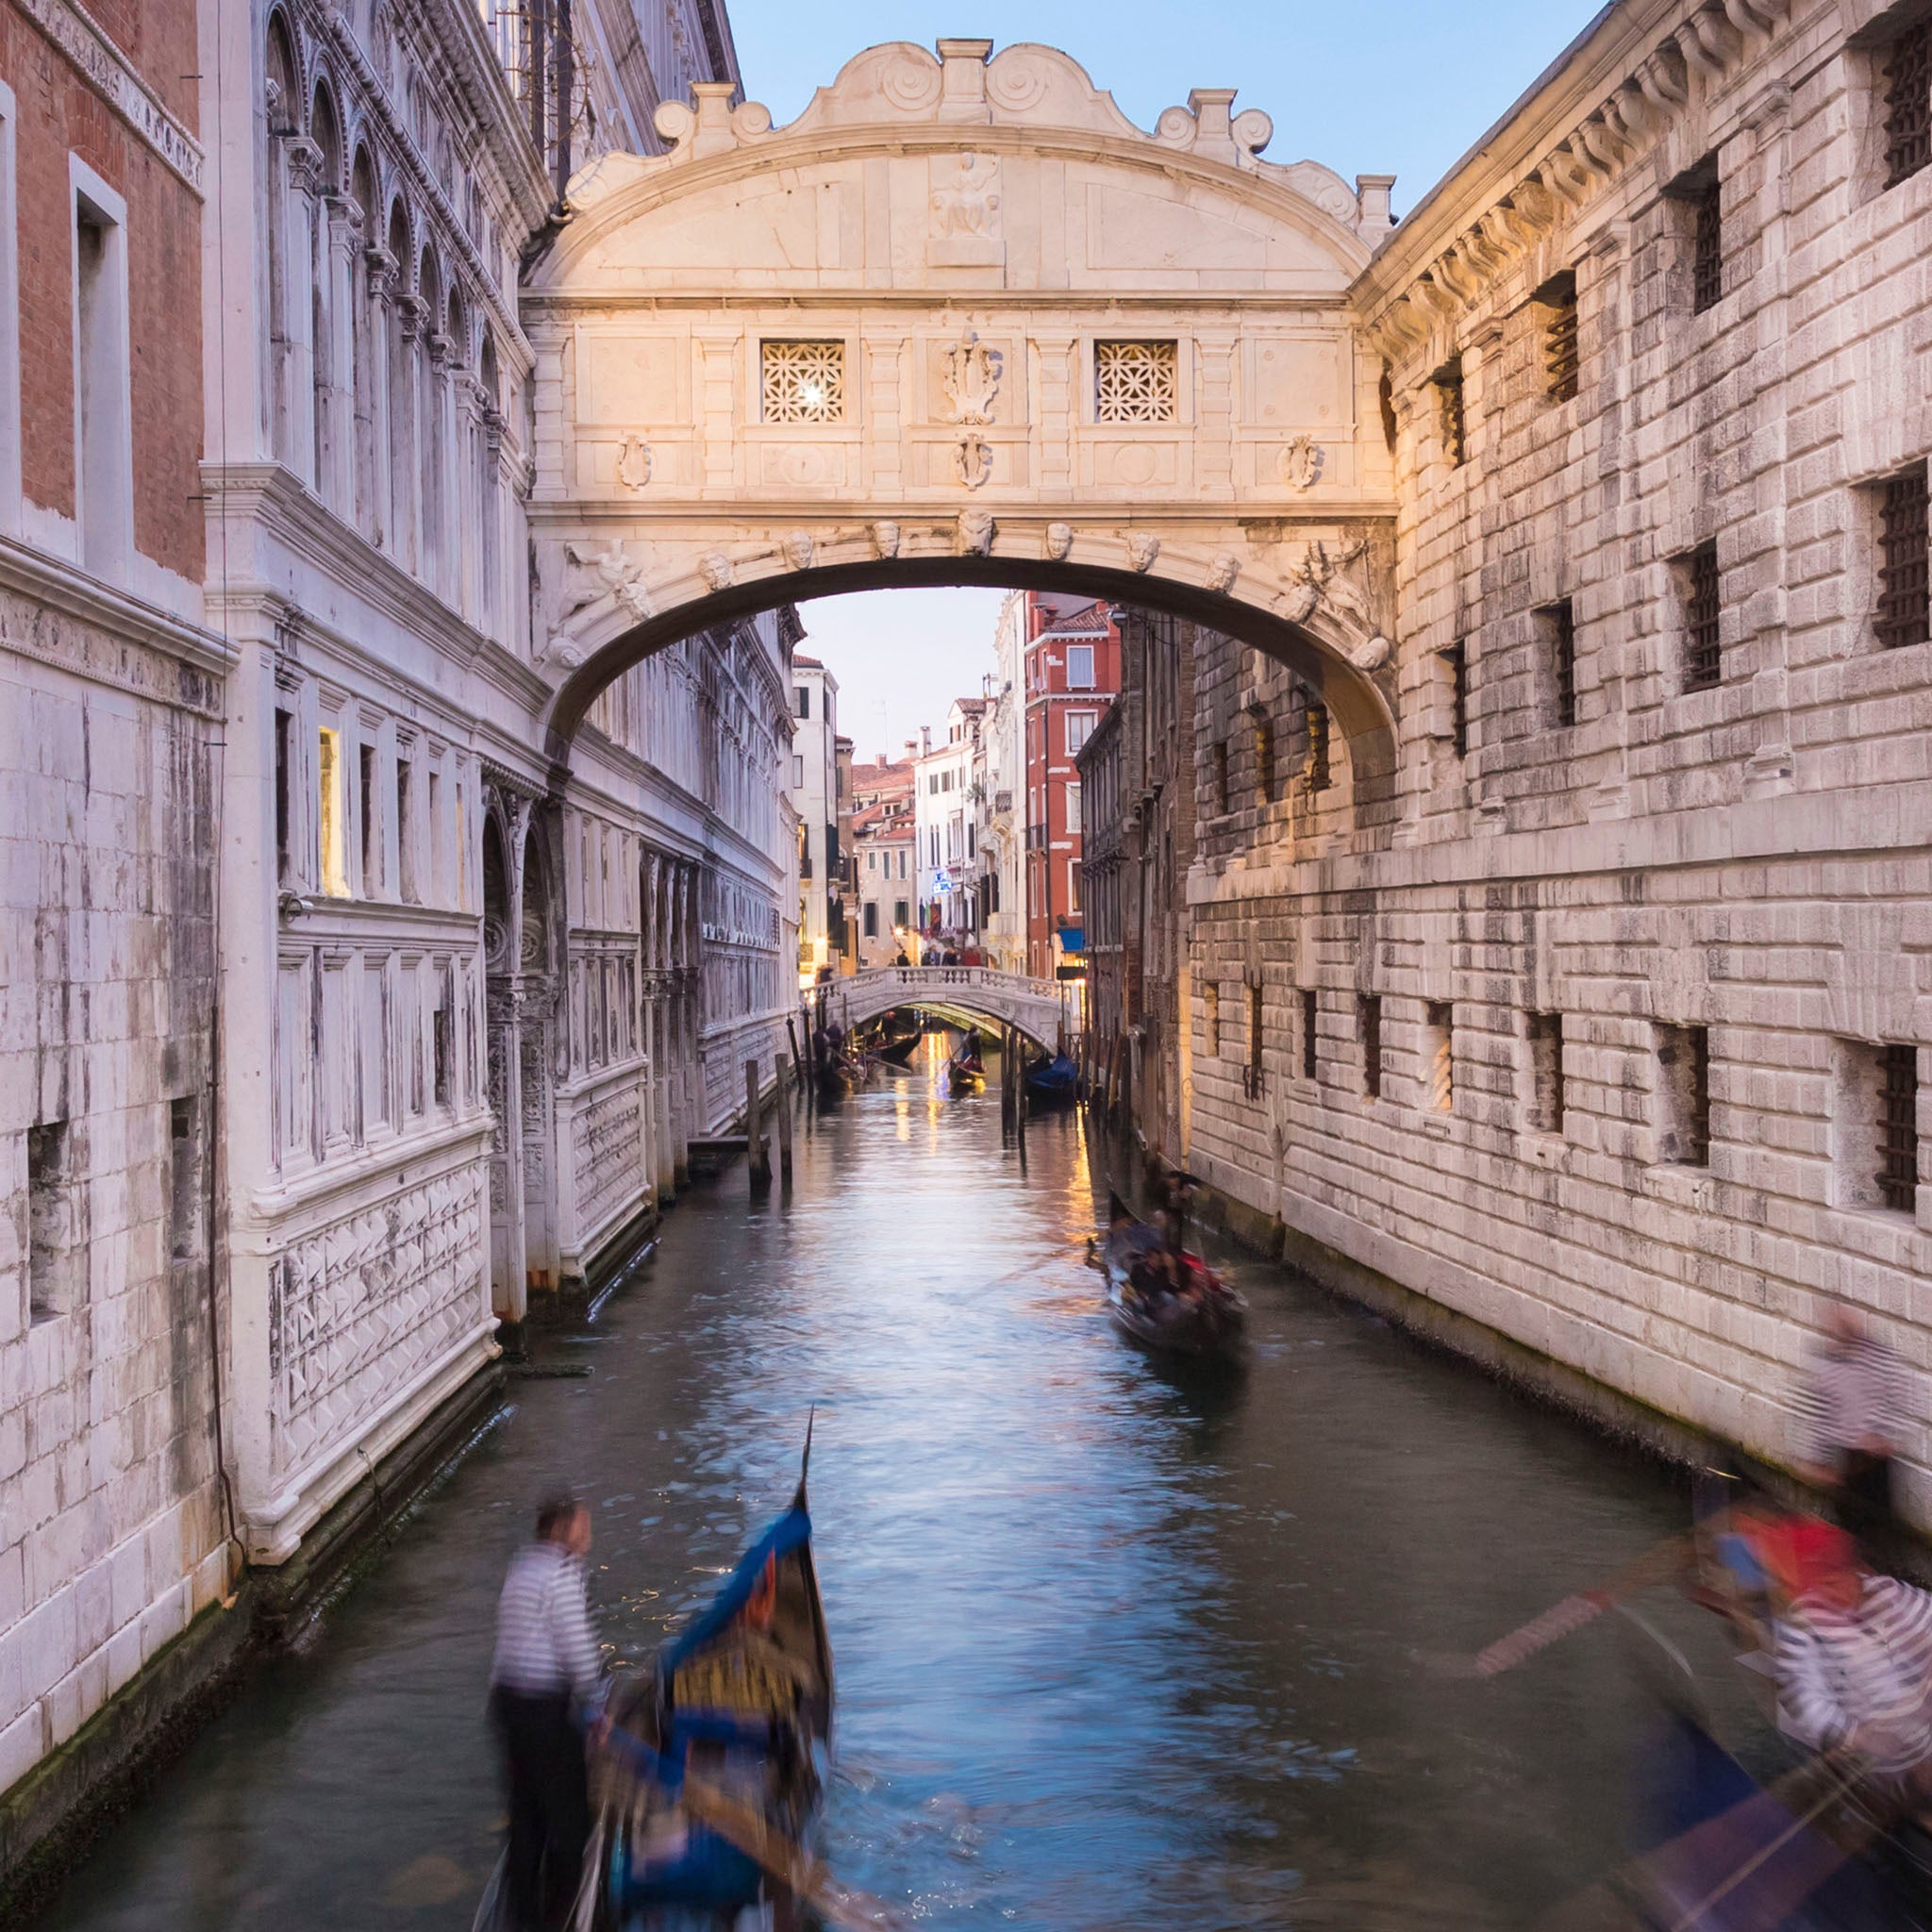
{"type": "Point", "coordinates": [783, 1103]}
{"type": "Point", "coordinates": [757, 1150]}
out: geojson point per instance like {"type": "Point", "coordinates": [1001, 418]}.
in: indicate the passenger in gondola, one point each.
{"type": "Point", "coordinates": [821, 1047]}
{"type": "Point", "coordinates": [1855, 1667]}
{"type": "Point", "coordinates": [547, 1687]}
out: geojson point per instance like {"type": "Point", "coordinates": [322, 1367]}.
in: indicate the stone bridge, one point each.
{"type": "Point", "coordinates": [1039, 1007]}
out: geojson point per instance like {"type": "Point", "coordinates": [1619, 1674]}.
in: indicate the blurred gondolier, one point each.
{"type": "Point", "coordinates": [1851, 1404]}
{"type": "Point", "coordinates": [546, 1685]}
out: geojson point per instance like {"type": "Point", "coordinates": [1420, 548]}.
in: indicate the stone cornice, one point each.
{"type": "Point", "coordinates": [272, 495]}
{"type": "Point", "coordinates": [51, 582]}
{"type": "Point", "coordinates": [109, 72]}
{"type": "Point", "coordinates": [1606, 100]}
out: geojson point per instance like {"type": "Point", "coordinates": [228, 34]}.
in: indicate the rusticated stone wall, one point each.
{"type": "Point", "coordinates": [1601, 1046]}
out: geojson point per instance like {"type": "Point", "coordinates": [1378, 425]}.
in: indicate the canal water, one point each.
{"type": "Point", "coordinates": [1119, 1645]}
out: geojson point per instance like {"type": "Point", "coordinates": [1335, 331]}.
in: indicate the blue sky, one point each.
{"type": "Point", "coordinates": [1370, 87]}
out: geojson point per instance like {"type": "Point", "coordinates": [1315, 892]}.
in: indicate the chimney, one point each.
{"type": "Point", "coordinates": [924, 738]}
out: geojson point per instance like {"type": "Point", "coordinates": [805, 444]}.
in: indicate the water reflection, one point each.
{"type": "Point", "coordinates": [1119, 1646]}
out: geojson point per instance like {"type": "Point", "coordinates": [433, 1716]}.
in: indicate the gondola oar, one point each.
{"type": "Point", "coordinates": [1585, 1606]}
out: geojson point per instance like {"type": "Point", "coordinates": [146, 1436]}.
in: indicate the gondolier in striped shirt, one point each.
{"type": "Point", "coordinates": [546, 1686]}
{"type": "Point", "coordinates": [1855, 1667]}
{"type": "Point", "coordinates": [1851, 1407]}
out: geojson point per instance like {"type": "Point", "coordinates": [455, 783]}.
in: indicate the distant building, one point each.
{"type": "Point", "coordinates": [885, 897]}
{"type": "Point", "coordinates": [1071, 672]}
{"type": "Point", "coordinates": [1002, 815]}
{"type": "Point", "coordinates": [814, 795]}
{"type": "Point", "coordinates": [948, 836]}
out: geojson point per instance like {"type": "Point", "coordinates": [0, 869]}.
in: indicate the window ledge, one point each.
{"type": "Point", "coordinates": [1541, 1149]}
{"type": "Point", "coordinates": [1681, 1186]}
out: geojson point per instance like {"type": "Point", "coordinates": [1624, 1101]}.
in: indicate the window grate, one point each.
{"type": "Point", "coordinates": [1449, 401]}
{"type": "Point", "coordinates": [1264, 758]}
{"type": "Point", "coordinates": [1904, 592]}
{"type": "Point", "coordinates": [1136, 382]}
{"type": "Point", "coordinates": [1909, 104]}
{"type": "Point", "coordinates": [1898, 1127]}
{"type": "Point", "coordinates": [1708, 250]}
{"type": "Point", "coordinates": [803, 382]}
{"type": "Point", "coordinates": [1559, 625]}
{"type": "Point", "coordinates": [1703, 652]}
{"type": "Point", "coordinates": [1546, 1067]}
{"type": "Point", "coordinates": [1456, 662]}
{"type": "Point", "coordinates": [1319, 775]}
{"type": "Point", "coordinates": [1252, 1075]}
{"type": "Point", "coordinates": [1440, 1030]}
{"type": "Point", "coordinates": [1310, 1033]}
{"type": "Point", "coordinates": [1369, 1023]}
{"type": "Point", "coordinates": [1563, 355]}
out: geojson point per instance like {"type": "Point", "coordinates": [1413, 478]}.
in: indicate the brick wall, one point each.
{"type": "Point", "coordinates": [63, 114]}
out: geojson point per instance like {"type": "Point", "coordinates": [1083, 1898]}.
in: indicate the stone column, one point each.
{"type": "Point", "coordinates": [406, 471]}
{"type": "Point", "coordinates": [296, 443]}
{"type": "Point", "coordinates": [379, 320]}
{"type": "Point", "coordinates": [336, 441]}
{"type": "Point", "coordinates": [1213, 439]}
{"type": "Point", "coordinates": [1057, 427]}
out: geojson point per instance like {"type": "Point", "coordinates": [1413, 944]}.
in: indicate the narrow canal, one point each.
{"type": "Point", "coordinates": [1119, 1647]}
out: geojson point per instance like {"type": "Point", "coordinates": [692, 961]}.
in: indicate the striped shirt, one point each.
{"type": "Point", "coordinates": [545, 1646]}
{"type": "Point", "coordinates": [1839, 1669]}
{"type": "Point", "coordinates": [1853, 1391]}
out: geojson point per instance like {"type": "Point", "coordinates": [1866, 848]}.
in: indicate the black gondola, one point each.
{"type": "Point", "coordinates": [714, 1769]}
{"type": "Point", "coordinates": [1160, 1294]}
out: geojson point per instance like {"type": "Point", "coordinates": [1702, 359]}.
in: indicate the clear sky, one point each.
{"type": "Point", "coordinates": [1370, 87]}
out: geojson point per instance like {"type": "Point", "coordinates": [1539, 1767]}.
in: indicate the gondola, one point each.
{"type": "Point", "coordinates": [965, 1073]}
{"type": "Point", "coordinates": [1796, 1852]}
{"type": "Point", "coordinates": [1203, 1315]}
{"type": "Point", "coordinates": [1053, 1082]}
{"type": "Point", "coordinates": [712, 1772]}
{"type": "Point", "coordinates": [898, 1050]}
{"type": "Point", "coordinates": [708, 1777]}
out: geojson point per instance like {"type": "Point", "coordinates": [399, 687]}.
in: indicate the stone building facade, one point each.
{"type": "Point", "coordinates": [113, 1524]}
{"type": "Point", "coordinates": [1138, 808]}
{"type": "Point", "coordinates": [345, 1011]}
{"type": "Point", "coordinates": [1612, 1035]}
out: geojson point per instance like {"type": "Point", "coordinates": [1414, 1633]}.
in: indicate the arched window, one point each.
{"type": "Point", "coordinates": [281, 118]}
{"type": "Point", "coordinates": [430, 392]}
{"type": "Point", "coordinates": [366, 318]}
{"type": "Point", "coordinates": [402, 402]}
{"type": "Point", "coordinates": [326, 344]}
{"type": "Point", "coordinates": [488, 494]}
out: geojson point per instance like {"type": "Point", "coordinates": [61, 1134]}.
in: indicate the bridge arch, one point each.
{"type": "Point", "coordinates": [1039, 1007]}
{"type": "Point", "coordinates": [883, 346]}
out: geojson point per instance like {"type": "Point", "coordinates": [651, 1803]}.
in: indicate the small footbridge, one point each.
{"type": "Point", "coordinates": [1041, 1008]}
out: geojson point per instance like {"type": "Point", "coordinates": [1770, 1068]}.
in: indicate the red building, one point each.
{"type": "Point", "coordinates": [1072, 670]}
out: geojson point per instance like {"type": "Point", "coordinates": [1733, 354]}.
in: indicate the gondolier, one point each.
{"type": "Point", "coordinates": [546, 1684]}
{"type": "Point", "coordinates": [1852, 1406]}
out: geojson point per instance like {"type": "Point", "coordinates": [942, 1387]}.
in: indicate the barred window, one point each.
{"type": "Point", "coordinates": [1561, 349]}
{"type": "Point", "coordinates": [1708, 248]}
{"type": "Point", "coordinates": [803, 382]}
{"type": "Point", "coordinates": [1219, 756]}
{"type": "Point", "coordinates": [1907, 75]}
{"type": "Point", "coordinates": [1136, 382]}
{"type": "Point", "coordinates": [1557, 623]}
{"type": "Point", "coordinates": [1311, 1039]}
{"type": "Point", "coordinates": [1898, 1127]}
{"type": "Point", "coordinates": [1251, 1076]}
{"type": "Point", "coordinates": [1448, 381]}
{"type": "Point", "coordinates": [1905, 588]}
{"type": "Point", "coordinates": [1368, 1018]}
{"type": "Point", "coordinates": [1456, 663]}
{"type": "Point", "coordinates": [1546, 1073]}
{"type": "Point", "coordinates": [1684, 1078]}
{"type": "Point", "coordinates": [1702, 613]}
{"type": "Point", "coordinates": [1264, 757]}
{"type": "Point", "coordinates": [1439, 1066]}
{"type": "Point", "coordinates": [1318, 768]}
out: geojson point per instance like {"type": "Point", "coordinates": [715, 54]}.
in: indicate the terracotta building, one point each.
{"type": "Point", "coordinates": [1070, 670]}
